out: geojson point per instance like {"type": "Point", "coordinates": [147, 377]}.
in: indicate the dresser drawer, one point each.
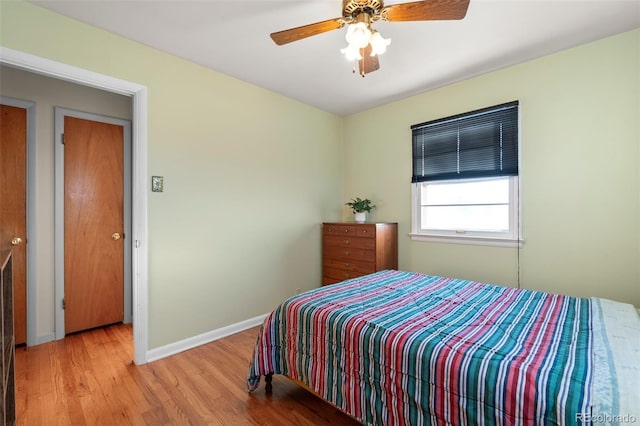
{"type": "Point", "coordinates": [366, 231]}
{"type": "Point", "coordinates": [339, 229]}
{"type": "Point", "coordinates": [342, 241]}
{"type": "Point", "coordinates": [350, 265]}
{"type": "Point", "coordinates": [341, 253]}
{"type": "Point", "coordinates": [339, 274]}
{"type": "Point", "coordinates": [328, 280]}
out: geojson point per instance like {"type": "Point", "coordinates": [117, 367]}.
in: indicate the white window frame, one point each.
{"type": "Point", "coordinates": [511, 238]}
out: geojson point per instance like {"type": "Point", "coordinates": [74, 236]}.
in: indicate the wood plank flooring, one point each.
{"type": "Point", "coordinates": [89, 379]}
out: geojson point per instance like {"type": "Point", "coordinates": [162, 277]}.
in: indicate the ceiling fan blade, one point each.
{"type": "Point", "coordinates": [298, 33]}
{"type": "Point", "coordinates": [428, 10]}
{"type": "Point", "coordinates": [368, 63]}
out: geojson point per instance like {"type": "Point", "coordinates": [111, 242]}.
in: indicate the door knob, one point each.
{"type": "Point", "coordinates": [115, 236]}
{"type": "Point", "coordinates": [16, 241]}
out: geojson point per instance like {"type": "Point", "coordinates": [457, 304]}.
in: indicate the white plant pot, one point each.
{"type": "Point", "coordinates": [361, 217]}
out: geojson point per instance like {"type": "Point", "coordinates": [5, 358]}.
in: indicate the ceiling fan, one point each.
{"type": "Point", "coordinates": [365, 44]}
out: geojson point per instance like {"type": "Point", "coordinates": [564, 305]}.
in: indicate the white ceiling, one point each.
{"type": "Point", "coordinates": [232, 36]}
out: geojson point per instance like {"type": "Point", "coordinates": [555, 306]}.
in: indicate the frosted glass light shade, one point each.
{"type": "Point", "coordinates": [378, 44]}
{"type": "Point", "coordinates": [358, 34]}
{"type": "Point", "coordinates": [351, 52]}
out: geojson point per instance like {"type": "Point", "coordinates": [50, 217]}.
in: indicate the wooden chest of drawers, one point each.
{"type": "Point", "coordinates": [352, 249]}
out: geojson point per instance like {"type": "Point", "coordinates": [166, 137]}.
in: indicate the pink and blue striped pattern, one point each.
{"type": "Point", "coordinates": [401, 348]}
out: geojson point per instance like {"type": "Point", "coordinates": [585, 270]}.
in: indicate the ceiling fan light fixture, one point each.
{"type": "Point", "coordinates": [365, 44]}
{"type": "Point", "coordinates": [378, 43]}
{"type": "Point", "coordinates": [351, 52]}
{"type": "Point", "coordinates": [358, 35]}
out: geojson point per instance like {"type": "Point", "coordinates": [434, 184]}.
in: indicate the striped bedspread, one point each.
{"type": "Point", "coordinates": [401, 348]}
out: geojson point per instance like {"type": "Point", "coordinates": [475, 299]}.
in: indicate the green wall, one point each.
{"type": "Point", "coordinates": [249, 176]}
{"type": "Point", "coordinates": [580, 186]}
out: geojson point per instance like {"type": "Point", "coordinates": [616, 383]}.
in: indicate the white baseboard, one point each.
{"type": "Point", "coordinates": [210, 336]}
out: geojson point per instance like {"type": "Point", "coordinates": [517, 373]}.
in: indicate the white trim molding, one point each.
{"type": "Point", "coordinates": [202, 339]}
{"type": "Point", "coordinates": [478, 241]}
{"type": "Point", "coordinates": [61, 71]}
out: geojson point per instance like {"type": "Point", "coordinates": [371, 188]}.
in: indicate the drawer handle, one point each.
{"type": "Point", "coordinates": [346, 275]}
{"type": "Point", "coordinates": [346, 253]}
{"type": "Point", "coordinates": [346, 242]}
{"type": "Point", "coordinates": [347, 264]}
{"type": "Point", "coordinates": [346, 230]}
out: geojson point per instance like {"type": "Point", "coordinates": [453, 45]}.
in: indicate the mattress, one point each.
{"type": "Point", "coordinates": [398, 347]}
{"type": "Point", "coordinates": [616, 354]}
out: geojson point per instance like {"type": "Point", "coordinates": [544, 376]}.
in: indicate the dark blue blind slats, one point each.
{"type": "Point", "coordinates": [482, 143]}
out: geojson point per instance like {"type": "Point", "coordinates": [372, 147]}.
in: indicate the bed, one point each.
{"type": "Point", "coordinates": [402, 348]}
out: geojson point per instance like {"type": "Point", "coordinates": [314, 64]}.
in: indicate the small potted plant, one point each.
{"type": "Point", "coordinates": [360, 208]}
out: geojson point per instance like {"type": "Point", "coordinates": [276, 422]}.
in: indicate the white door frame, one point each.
{"type": "Point", "coordinates": [139, 223]}
{"type": "Point", "coordinates": [60, 114]}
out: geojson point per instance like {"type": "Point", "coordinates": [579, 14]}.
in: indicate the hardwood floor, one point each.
{"type": "Point", "coordinates": [89, 379]}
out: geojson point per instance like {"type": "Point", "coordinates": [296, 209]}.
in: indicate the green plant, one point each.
{"type": "Point", "coordinates": [359, 205]}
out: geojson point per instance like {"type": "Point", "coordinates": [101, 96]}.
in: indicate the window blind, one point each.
{"type": "Point", "coordinates": [481, 143]}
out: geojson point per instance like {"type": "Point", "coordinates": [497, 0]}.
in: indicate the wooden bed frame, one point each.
{"type": "Point", "coordinates": [268, 388]}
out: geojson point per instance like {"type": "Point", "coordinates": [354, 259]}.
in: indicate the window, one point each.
{"type": "Point", "coordinates": [465, 178]}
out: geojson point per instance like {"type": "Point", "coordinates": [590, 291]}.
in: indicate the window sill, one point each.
{"type": "Point", "coordinates": [458, 239]}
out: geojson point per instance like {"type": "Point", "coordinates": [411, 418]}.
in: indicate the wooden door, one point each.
{"type": "Point", "coordinates": [93, 224]}
{"type": "Point", "coordinates": [13, 206]}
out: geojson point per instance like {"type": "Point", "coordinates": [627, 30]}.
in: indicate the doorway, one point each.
{"type": "Point", "coordinates": [93, 225]}
{"type": "Point", "coordinates": [139, 258]}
